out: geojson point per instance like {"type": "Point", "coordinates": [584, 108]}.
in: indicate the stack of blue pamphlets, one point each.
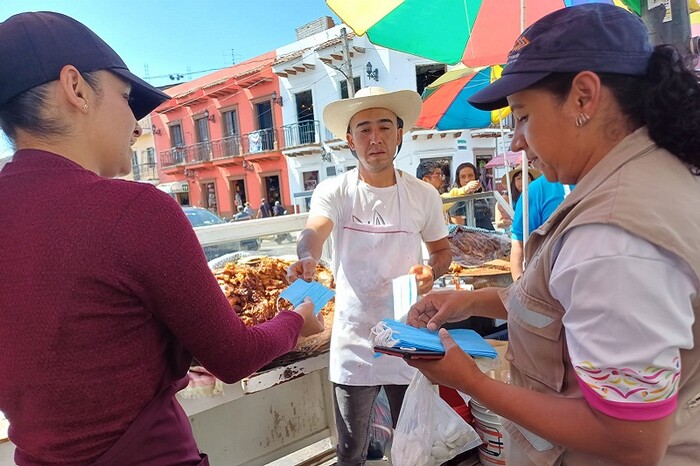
{"type": "Point", "coordinates": [394, 334]}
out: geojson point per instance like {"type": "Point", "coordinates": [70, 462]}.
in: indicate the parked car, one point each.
{"type": "Point", "coordinates": [203, 218]}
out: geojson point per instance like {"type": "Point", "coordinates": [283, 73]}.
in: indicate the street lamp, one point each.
{"type": "Point", "coordinates": [372, 73]}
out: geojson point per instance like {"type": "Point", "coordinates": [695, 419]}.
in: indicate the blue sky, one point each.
{"type": "Point", "coordinates": [181, 36]}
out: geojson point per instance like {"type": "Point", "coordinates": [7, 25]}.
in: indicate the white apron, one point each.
{"type": "Point", "coordinates": [368, 258]}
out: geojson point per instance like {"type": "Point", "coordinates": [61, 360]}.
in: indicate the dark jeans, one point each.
{"type": "Point", "coordinates": [353, 409]}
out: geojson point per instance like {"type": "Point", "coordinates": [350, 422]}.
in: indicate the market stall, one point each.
{"type": "Point", "coordinates": [280, 409]}
{"type": "Point", "coordinates": [265, 416]}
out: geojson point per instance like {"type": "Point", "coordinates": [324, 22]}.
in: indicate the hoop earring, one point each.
{"type": "Point", "coordinates": [582, 119]}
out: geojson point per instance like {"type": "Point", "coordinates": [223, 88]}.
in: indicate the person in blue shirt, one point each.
{"type": "Point", "coordinates": [543, 199]}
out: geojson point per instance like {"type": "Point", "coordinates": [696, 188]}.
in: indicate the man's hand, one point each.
{"type": "Point", "coordinates": [303, 268]}
{"type": "Point", "coordinates": [312, 323]}
{"type": "Point", "coordinates": [424, 277]}
{"type": "Point", "coordinates": [438, 307]}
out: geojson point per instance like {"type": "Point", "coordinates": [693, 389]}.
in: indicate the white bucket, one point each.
{"type": "Point", "coordinates": [488, 425]}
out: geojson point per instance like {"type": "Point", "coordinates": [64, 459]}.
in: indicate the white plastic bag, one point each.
{"type": "Point", "coordinates": [429, 432]}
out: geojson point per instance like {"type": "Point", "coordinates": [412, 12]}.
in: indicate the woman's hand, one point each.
{"type": "Point", "coordinates": [312, 323]}
{"type": "Point", "coordinates": [424, 277]}
{"type": "Point", "coordinates": [473, 186]}
{"type": "Point", "coordinates": [438, 307]}
{"type": "Point", "coordinates": [455, 370]}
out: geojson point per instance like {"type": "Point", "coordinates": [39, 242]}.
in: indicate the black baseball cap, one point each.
{"type": "Point", "coordinates": [35, 46]}
{"type": "Point", "coordinates": [592, 37]}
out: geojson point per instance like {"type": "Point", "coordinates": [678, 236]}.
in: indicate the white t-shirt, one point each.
{"type": "Point", "coordinates": [628, 313]}
{"type": "Point", "coordinates": [422, 207]}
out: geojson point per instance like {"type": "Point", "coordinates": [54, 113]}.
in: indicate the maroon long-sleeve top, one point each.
{"type": "Point", "coordinates": [104, 295]}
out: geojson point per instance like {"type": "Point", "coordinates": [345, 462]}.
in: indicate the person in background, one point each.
{"type": "Point", "coordinates": [543, 199]}
{"type": "Point", "coordinates": [248, 209]}
{"type": "Point", "coordinates": [241, 214]}
{"type": "Point", "coordinates": [431, 172]}
{"type": "Point", "coordinates": [377, 216]}
{"type": "Point", "coordinates": [604, 323]}
{"type": "Point", "coordinates": [98, 326]}
{"type": "Point", "coordinates": [514, 178]}
{"type": "Point", "coordinates": [278, 209]}
{"type": "Point", "coordinates": [467, 182]}
{"type": "Point", "coordinates": [264, 211]}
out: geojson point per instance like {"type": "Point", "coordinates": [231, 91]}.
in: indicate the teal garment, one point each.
{"type": "Point", "coordinates": [543, 199]}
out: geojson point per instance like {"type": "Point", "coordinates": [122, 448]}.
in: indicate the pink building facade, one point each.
{"type": "Point", "coordinates": [219, 139]}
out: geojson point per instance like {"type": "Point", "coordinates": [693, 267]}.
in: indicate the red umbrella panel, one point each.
{"type": "Point", "coordinates": [498, 24]}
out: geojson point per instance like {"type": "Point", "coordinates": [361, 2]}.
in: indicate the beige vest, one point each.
{"type": "Point", "coordinates": [650, 193]}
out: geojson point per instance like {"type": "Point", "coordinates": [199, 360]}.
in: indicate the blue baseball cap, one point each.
{"type": "Point", "coordinates": [592, 37]}
{"type": "Point", "coordinates": [35, 46]}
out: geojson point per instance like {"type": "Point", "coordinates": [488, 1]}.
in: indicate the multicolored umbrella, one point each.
{"type": "Point", "coordinates": [445, 107]}
{"type": "Point", "coordinates": [475, 32]}
{"type": "Point", "coordinates": [695, 24]}
{"type": "Point", "coordinates": [445, 104]}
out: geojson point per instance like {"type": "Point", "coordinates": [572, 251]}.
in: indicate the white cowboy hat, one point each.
{"type": "Point", "coordinates": [405, 104]}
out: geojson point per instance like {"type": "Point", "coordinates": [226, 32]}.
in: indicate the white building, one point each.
{"type": "Point", "coordinates": [143, 155]}
{"type": "Point", "coordinates": [312, 74]}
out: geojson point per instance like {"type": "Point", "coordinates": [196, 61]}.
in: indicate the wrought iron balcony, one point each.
{"type": "Point", "coordinates": [232, 146]}
{"type": "Point", "coordinates": [301, 133]}
{"type": "Point", "coordinates": [227, 147]}
{"type": "Point", "coordinates": [174, 156]}
{"type": "Point", "coordinates": [328, 135]}
{"type": "Point", "coordinates": [144, 171]}
{"type": "Point", "coordinates": [184, 155]}
{"type": "Point", "coordinates": [259, 141]}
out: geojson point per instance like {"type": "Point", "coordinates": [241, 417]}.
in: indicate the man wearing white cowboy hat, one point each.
{"type": "Point", "coordinates": [377, 216]}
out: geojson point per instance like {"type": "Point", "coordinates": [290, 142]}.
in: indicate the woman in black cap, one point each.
{"type": "Point", "coordinates": [603, 324]}
{"type": "Point", "coordinates": [105, 293]}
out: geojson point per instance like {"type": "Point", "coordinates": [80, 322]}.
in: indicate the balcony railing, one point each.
{"type": "Point", "coordinates": [259, 141]}
{"type": "Point", "coordinates": [201, 152]}
{"type": "Point", "coordinates": [173, 156]}
{"type": "Point", "coordinates": [328, 135]}
{"type": "Point", "coordinates": [227, 147]}
{"type": "Point", "coordinates": [231, 146]}
{"type": "Point", "coordinates": [299, 134]}
{"type": "Point", "coordinates": [195, 153]}
{"type": "Point", "coordinates": [144, 171]}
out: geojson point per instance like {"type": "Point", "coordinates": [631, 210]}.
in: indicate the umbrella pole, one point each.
{"type": "Point", "coordinates": [505, 163]}
{"type": "Point", "coordinates": [523, 164]}
{"type": "Point", "coordinates": [526, 204]}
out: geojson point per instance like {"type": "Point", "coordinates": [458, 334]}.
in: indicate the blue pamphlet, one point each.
{"type": "Point", "coordinates": [394, 334]}
{"type": "Point", "coordinates": [300, 289]}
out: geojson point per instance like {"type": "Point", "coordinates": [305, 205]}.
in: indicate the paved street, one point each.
{"type": "Point", "coordinates": [270, 247]}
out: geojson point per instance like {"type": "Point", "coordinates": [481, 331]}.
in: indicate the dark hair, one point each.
{"type": "Point", "coordinates": [461, 167]}
{"type": "Point", "coordinates": [25, 111]}
{"type": "Point", "coordinates": [426, 167]}
{"type": "Point", "coordinates": [666, 100]}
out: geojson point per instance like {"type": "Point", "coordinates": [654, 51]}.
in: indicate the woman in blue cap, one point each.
{"type": "Point", "coordinates": [105, 293]}
{"type": "Point", "coordinates": [603, 325]}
